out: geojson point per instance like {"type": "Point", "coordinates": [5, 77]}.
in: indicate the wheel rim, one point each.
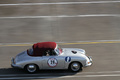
{"type": "Point", "coordinates": [31, 68]}
{"type": "Point", "coordinates": [75, 67]}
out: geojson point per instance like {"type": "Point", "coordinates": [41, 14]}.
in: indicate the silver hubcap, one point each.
{"type": "Point", "coordinates": [31, 68]}
{"type": "Point", "coordinates": [75, 66]}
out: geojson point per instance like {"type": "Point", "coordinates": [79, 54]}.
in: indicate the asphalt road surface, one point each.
{"type": "Point", "coordinates": [90, 25]}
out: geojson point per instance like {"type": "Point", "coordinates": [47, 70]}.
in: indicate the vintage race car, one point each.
{"type": "Point", "coordinates": [48, 55]}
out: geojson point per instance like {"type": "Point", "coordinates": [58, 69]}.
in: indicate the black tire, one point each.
{"type": "Point", "coordinates": [31, 68]}
{"type": "Point", "coordinates": [75, 67]}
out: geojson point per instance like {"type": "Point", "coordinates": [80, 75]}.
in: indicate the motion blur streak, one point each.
{"type": "Point", "coordinates": [93, 25]}
{"type": "Point", "coordinates": [65, 16]}
{"type": "Point", "coordinates": [26, 4]}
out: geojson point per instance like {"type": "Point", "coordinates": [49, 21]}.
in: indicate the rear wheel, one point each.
{"type": "Point", "coordinates": [31, 68]}
{"type": "Point", "coordinates": [75, 66]}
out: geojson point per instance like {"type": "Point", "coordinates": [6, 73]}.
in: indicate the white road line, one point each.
{"type": "Point", "coordinates": [92, 76]}
{"type": "Point", "coordinates": [89, 41]}
{"type": "Point", "coordinates": [90, 2]}
{"type": "Point", "coordinates": [84, 76]}
{"type": "Point", "coordinates": [63, 16]}
{"type": "Point", "coordinates": [103, 72]}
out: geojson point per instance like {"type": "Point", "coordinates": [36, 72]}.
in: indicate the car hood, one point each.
{"type": "Point", "coordinates": [73, 51]}
{"type": "Point", "coordinates": [21, 56]}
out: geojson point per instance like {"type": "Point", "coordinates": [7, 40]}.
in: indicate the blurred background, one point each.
{"type": "Point", "coordinates": [24, 22]}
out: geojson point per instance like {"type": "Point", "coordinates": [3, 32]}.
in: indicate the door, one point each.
{"type": "Point", "coordinates": [53, 62]}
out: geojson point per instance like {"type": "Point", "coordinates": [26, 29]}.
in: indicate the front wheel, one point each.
{"type": "Point", "coordinates": [75, 67]}
{"type": "Point", "coordinates": [31, 68]}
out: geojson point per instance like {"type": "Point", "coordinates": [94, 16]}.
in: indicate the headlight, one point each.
{"type": "Point", "coordinates": [88, 62]}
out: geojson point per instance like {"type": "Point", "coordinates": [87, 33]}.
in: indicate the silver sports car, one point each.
{"type": "Point", "coordinates": [48, 55]}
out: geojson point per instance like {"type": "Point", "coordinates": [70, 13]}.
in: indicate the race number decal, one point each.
{"type": "Point", "coordinates": [52, 62]}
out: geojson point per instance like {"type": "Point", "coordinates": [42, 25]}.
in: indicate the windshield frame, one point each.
{"type": "Point", "coordinates": [30, 52]}
{"type": "Point", "coordinates": [58, 50]}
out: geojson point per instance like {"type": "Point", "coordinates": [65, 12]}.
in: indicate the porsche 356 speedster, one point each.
{"type": "Point", "coordinates": [48, 55]}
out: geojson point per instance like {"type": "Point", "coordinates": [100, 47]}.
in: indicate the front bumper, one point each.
{"type": "Point", "coordinates": [13, 64]}
{"type": "Point", "coordinates": [89, 62]}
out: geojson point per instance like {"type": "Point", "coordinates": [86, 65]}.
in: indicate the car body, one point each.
{"type": "Point", "coordinates": [48, 55]}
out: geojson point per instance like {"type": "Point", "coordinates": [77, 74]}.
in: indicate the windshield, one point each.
{"type": "Point", "coordinates": [30, 51]}
{"type": "Point", "coordinates": [58, 50]}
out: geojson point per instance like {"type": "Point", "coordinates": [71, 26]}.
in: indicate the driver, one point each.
{"type": "Point", "coordinates": [47, 53]}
